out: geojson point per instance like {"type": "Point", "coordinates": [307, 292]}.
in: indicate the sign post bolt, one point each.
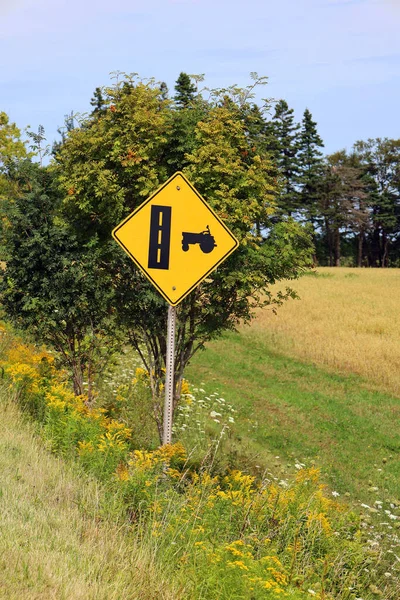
{"type": "Point", "coordinates": [169, 376]}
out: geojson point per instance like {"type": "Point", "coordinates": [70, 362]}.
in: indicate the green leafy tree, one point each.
{"type": "Point", "coordinates": [51, 287]}
{"type": "Point", "coordinates": [69, 125]}
{"type": "Point", "coordinates": [11, 145]}
{"type": "Point", "coordinates": [342, 202]}
{"type": "Point", "coordinates": [12, 148]}
{"type": "Point", "coordinates": [38, 144]}
{"type": "Point", "coordinates": [108, 166]}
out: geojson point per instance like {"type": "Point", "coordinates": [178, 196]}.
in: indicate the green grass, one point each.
{"type": "Point", "coordinates": [55, 539]}
{"type": "Point", "coordinates": [302, 412]}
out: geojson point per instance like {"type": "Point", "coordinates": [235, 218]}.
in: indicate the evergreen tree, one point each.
{"type": "Point", "coordinates": [310, 165]}
{"type": "Point", "coordinates": [164, 91]}
{"type": "Point", "coordinates": [182, 139]}
{"type": "Point", "coordinates": [380, 159]}
{"type": "Point", "coordinates": [185, 90]}
{"type": "Point", "coordinates": [285, 147]}
{"type": "Point", "coordinates": [189, 109]}
{"type": "Point", "coordinates": [98, 102]}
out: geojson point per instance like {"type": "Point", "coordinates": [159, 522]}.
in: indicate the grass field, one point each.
{"type": "Point", "coordinates": [346, 319]}
{"type": "Point", "coordinates": [271, 409]}
{"type": "Point", "coordinates": [55, 541]}
{"type": "Point", "coordinates": [319, 381]}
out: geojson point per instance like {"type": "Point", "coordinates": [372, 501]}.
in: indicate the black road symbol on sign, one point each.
{"type": "Point", "coordinates": [160, 237]}
{"type": "Point", "coordinates": [204, 239]}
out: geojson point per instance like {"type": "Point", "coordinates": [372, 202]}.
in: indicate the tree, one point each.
{"type": "Point", "coordinates": [183, 117]}
{"type": "Point", "coordinates": [310, 166]}
{"type": "Point", "coordinates": [51, 286]}
{"type": "Point", "coordinates": [98, 102]}
{"type": "Point", "coordinates": [12, 148]}
{"type": "Point", "coordinates": [285, 148]}
{"type": "Point", "coordinates": [185, 90]}
{"type": "Point", "coordinates": [380, 159]}
{"type": "Point", "coordinates": [164, 90]}
{"type": "Point", "coordinates": [38, 145]}
{"type": "Point", "coordinates": [11, 145]}
{"type": "Point", "coordinates": [342, 202]}
{"type": "Point", "coordinates": [108, 166]}
{"type": "Point", "coordinates": [69, 125]}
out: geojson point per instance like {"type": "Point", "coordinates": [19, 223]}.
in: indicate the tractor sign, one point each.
{"type": "Point", "coordinates": [205, 240]}
{"type": "Point", "coordinates": [175, 238]}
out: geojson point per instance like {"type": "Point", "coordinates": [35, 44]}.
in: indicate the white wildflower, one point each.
{"type": "Point", "coordinates": [214, 414]}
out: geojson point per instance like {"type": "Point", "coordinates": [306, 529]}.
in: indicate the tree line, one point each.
{"type": "Point", "coordinates": [350, 200]}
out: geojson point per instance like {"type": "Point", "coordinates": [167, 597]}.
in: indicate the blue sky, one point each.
{"type": "Point", "coordinates": [339, 58]}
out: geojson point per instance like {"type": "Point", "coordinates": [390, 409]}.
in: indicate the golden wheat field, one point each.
{"type": "Point", "coordinates": [346, 319]}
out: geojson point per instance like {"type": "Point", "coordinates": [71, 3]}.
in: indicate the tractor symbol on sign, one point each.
{"type": "Point", "coordinates": [204, 239]}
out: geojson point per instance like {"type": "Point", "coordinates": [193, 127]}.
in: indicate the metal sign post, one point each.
{"type": "Point", "coordinates": [169, 376]}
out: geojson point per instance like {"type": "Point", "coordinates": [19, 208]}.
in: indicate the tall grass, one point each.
{"type": "Point", "coordinates": [56, 540]}
{"type": "Point", "coordinates": [347, 320]}
{"type": "Point", "coordinates": [221, 532]}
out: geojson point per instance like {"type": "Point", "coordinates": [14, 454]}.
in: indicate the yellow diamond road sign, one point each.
{"type": "Point", "coordinates": [175, 238]}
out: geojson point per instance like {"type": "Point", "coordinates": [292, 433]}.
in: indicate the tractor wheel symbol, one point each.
{"type": "Point", "coordinates": [205, 240]}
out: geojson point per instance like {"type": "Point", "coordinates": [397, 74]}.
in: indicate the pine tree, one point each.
{"type": "Point", "coordinates": [164, 90]}
{"type": "Point", "coordinates": [98, 102]}
{"type": "Point", "coordinates": [310, 165]}
{"type": "Point", "coordinates": [285, 147]}
{"type": "Point", "coordinates": [380, 159]}
{"type": "Point", "coordinates": [185, 90]}
{"type": "Point", "coordinates": [190, 109]}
